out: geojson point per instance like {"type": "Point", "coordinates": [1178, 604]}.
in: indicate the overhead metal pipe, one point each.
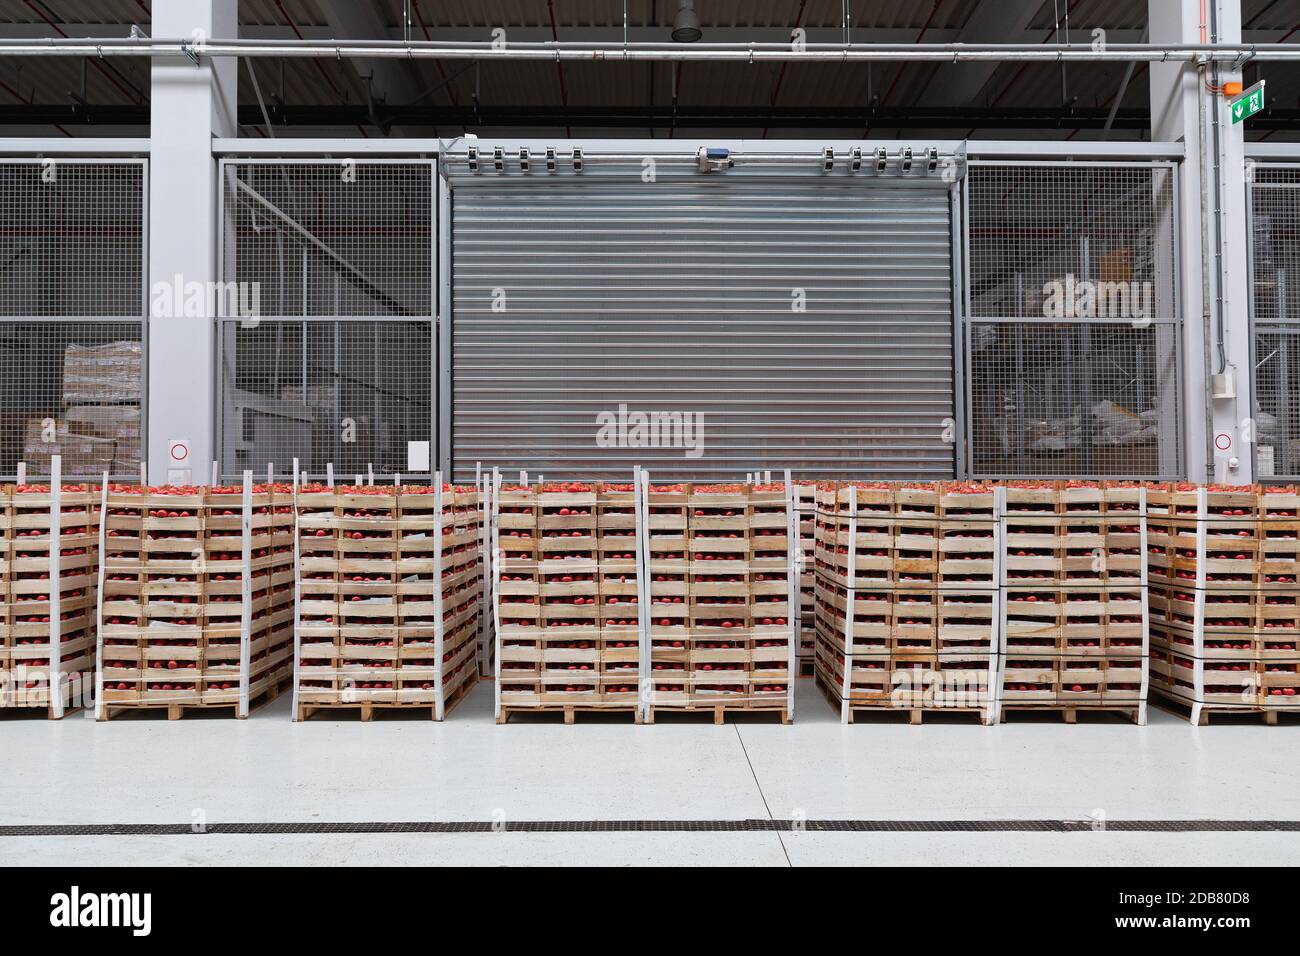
{"type": "Point", "coordinates": [724, 52]}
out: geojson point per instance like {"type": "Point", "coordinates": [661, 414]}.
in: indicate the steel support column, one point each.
{"type": "Point", "coordinates": [1216, 317]}
{"type": "Point", "coordinates": [190, 103]}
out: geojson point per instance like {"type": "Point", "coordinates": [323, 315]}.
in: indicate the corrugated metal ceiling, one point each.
{"type": "Point", "coordinates": [1010, 85]}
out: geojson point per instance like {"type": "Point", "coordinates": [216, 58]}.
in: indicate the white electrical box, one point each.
{"type": "Point", "coordinates": [1223, 385]}
{"type": "Point", "coordinates": [417, 456]}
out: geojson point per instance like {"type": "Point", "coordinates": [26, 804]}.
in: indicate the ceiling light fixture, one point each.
{"type": "Point", "coordinates": [686, 25]}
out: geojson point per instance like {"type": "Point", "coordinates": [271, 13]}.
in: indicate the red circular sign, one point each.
{"type": "Point", "coordinates": [1223, 441]}
{"type": "Point", "coordinates": [180, 452]}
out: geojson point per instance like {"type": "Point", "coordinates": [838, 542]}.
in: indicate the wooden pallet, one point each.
{"type": "Point", "coordinates": [178, 710]}
{"type": "Point", "coordinates": [39, 710]}
{"type": "Point", "coordinates": [1070, 712]}
{"type": "Point", "coordinates": [915, 715]}
{"type": "Point", "coordinates": [720, 711]}
{"type": "Point", "coordinates": [570, 711]}
{"type": "Point", "coordinates": [367, 708]}
{"type": "Point", "coordinates": [1185, 709]}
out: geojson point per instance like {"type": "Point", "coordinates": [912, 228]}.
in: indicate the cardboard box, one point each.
{"type": "Point", "coordinates": [118, 423]}
{"type": "Point", "coordinates": [103, 373]}
{"type": "Point", "coordinates": [83, 455]}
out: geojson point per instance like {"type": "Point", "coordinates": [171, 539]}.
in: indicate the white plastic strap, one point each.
{"type": "Point", "coordinates": [993, 707]}
{"type": "Point", "coordinates": [793, 612]}
{"type": "Point", "coordinates": [297, 591]}
{"type": "Point", "coordinates": [246, 618]}
{"type": "Point", "coordinates": [439, 636]}
{"type": "Point", "coordinates": [55, 667]}
{"type": "Point", "coordinates": [99, 600]}
{"type": "Point", "coordinates": [851, 603]}
{"type": "Point", "coordinates": [645, 676]}
{"type": "Point", "coordinates": [495, 577]}
{"type": "Point", "coordinates": [482, 483]}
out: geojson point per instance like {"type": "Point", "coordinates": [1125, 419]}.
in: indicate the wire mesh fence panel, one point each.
{"type": "Point", "coordinates": [73, 389]}
{"type": "Point", "coordinates": [1275, 311]}
{"type": "Point", "coordinates": [1277, 402]}
{"type": "Point", "coordinates": [1275, 220]}
{"type": "Point", "coordinates": [352, 393]}
{"type": "Point", "coordinates": [327, 238]}
{"type": "Point", "coordinates": [1073, 344]}
{"type": "Point", "coordinates": [71, 238]}
{"type": "Point", "coordinates": [1074, 399]}
{"type": "Point", "coordinates": [1038, 231]}
{"type": "Point", "coordinates": [71, 247]}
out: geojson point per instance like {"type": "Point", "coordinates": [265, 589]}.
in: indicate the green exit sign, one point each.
{"type": "Point", "coordinates": [1249, 103]}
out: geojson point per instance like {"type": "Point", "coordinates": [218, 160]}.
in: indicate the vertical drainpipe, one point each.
{"type": "Point", "coordinates": [1206, 325]}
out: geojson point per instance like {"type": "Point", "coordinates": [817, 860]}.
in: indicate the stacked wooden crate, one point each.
{"type": "Point", "coordinates": [666, 597]}
{"type": "Point", "coordinates": [389, 597]}
{"type": "Point", "coordinates": [805, 496]}
{"type": "Point", "coordinates": [196, 603]}
{"type": "Point", "coordinates": [722, 620]}
{"type": "Point", "coordinates": [668, 591]}
{"type": "Point", "coordinates": [487, 646]}
{"type": "Point", "coordinates": [1074, 598]}
{"type": "Point", "coordinates": [1225, 628]}
{"type": "Point", "coordinates": [460, 560]}
{"type": "Point", "coordinates": [48, 534]}
{"type": "Point", "coordinates": [907, 587]}
{"type": "Point", "coordinates": [619, 593]}
{"type": "Point", "coordinates": [553, 611]}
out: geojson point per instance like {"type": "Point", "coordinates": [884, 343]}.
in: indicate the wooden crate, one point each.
{"type": "Point", "coordinates": [805, 494]}
{"type": "Point", "coordinates": [564, 640]}
{"type": "Point", "coordinates": [187, 572]}
{"type": "Point", "coordinates": [736, 652]}
{"type": "Point", "coordinates": [717, 620]}
{"type": "Point", "coordinates": [49, 535]}
{"type": "Point", "coordinates": [906, 593]}
{"type": "Point", "coordinates": [1225, 600]}
{"type": "Point", "coordinates": [390, 598]}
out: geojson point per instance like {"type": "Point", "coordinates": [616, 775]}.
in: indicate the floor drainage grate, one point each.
{"type": "Point", "coordinates": [661, 826]}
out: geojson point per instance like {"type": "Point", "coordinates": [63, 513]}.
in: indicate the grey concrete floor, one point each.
{"type": "Point", "coordinates": [269, 769]}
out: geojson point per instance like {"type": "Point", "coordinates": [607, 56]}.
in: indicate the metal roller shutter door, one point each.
{"type": "Point", "coordinates": [808, 321]}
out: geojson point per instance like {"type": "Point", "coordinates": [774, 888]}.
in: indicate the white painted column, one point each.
{"type": "Point", "coordinates": [1224, 437]}
{"type": "Point", "coordinates": [189, 105]}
